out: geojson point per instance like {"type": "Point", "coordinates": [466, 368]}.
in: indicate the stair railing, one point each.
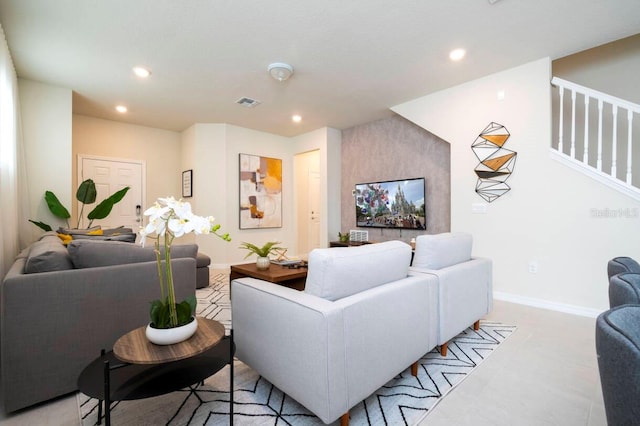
{"type": "Point", "coordinates": [607, 120]}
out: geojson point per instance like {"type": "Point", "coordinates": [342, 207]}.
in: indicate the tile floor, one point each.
{"type": "Point", "coordinates": [544, 374]}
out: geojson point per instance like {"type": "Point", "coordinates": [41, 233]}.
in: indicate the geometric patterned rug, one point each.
{"type": "Point", "coordinates": [405, 400]}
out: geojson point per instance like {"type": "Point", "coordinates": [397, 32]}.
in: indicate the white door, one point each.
{"type": "Point", "coordinates": [308, 211]}
{"type": "Point", "coordinates": [314, 210]}
{"type": "Point", "coordinates": [111, 175]}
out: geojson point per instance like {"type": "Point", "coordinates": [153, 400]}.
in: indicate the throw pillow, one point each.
{"type": "Point", "coordinates": [442, 250]}
{"type": "Point", "coordinates": [47, 254]}
{"type": "Point", "coordinates": [339, 272]}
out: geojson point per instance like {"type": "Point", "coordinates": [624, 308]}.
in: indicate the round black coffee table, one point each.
{"type": "Point", "coordinates": [107, 378]}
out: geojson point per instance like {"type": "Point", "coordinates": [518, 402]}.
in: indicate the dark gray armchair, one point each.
{"type": "Point", "coordinates": [618, 265]}
{"type": "Point", "coordinates": [624, 289]}
{"type": "Point", "coordinates": [618, 349]}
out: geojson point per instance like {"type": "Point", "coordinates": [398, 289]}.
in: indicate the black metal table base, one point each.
{"type": "Point", "coordinates": [109, 379]}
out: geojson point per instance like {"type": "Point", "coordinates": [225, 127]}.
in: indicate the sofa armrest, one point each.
{"type": "Point", "coordinates": [293, 339]}
{"type": "Point", "coordinates": [54, 323]}
{"type": "Point", "coordinates": [465, 294]}
{"type": "Point", "coordinates": [346, 349]}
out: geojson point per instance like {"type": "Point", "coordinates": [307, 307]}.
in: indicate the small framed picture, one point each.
{"type": "Point", "coordinates": [187, 184]}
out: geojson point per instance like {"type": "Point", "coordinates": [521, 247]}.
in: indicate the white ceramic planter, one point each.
{"type": "Point", "coordinates": [169, 336]}
{"type": "Point", "coordinates": [263, 263]}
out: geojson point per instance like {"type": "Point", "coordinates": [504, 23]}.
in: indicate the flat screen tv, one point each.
{"type": "Point", "coordinates": [391, 204]}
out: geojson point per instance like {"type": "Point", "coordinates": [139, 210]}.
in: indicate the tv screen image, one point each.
{"type": "Point", "coordinates": [391, 204]}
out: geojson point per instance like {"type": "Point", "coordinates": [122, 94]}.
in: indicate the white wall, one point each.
{"type": "Point", "coordinates": [550, 216]}
{"type": "Point", "coordinates": [611, 68]}
{"type": "Point", "coordinates": [46, 126]}
{"type": "Point", "coordinates": [159, 149]}
{"type": "Point", "coordinates": [212, 151]}
{"type": "Point", "coordinates": [204, 152]}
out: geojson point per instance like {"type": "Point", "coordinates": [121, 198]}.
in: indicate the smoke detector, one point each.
{"type": "Point", "coordinates": [280, 71]}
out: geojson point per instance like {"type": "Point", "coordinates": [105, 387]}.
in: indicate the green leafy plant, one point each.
{"type": "Point", "coordinates": [86, 194]}
{"type": "Point", "coordinates": [160, 312]}
{"type": "Point", "coordinates": [263, 251]}
{"type": "Point", "coordinates": [343, 237]}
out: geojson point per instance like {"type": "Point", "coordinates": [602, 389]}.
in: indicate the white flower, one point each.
{"type": "Point", "coordinates": [169, 215]}
{"type": "Point", "coordinates": [170, 218]}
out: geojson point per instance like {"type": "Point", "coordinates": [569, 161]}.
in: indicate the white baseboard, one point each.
{"type": "Point", "coordinates": [545, 304]}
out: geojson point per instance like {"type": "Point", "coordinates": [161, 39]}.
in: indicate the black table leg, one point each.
{"type": "Point", "coordinates": [107, 394]}
{"type": "Point", "coordinates": [231, 352]}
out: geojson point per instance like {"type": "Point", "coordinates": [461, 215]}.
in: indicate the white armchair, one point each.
{"type": "Point", "coordinates": [360, 321]}
{"type": "Point", "coordinates": [465, 291]}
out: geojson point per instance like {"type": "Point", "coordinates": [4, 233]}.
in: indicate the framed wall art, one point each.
{"type": "Point", "coordinates": [260, 192]}
{"type": "Point", "coordinates": [187, 184]}
{"type": "Point", "coordinates": [496, 163]}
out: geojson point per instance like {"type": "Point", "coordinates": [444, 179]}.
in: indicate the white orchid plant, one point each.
{"type": "Point", "coordinates": [170, 219]}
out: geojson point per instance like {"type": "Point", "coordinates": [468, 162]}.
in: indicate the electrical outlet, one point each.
{"type": "Point", "coordinates": [533, 267]}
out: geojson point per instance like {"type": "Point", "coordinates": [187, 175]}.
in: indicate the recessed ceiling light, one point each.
{"type": "Point", "coordinates": [121, 109]}
{"type": "Point", "coordinates": [457, 54]}
{"type": "Point", "coordinates": [141, 72]}
{"type": "Point", "coordinates": [296, 118]}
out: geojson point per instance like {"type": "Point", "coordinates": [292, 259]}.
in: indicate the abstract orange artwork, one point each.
{"type": "Point", "coordinates": [260, 192]}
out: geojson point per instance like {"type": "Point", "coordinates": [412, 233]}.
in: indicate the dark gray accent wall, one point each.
{"type": "Point", "coordinates": [390, 149]}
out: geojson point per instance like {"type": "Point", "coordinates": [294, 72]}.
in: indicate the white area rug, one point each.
{"type": "Point", "coordinates": [405, 400]}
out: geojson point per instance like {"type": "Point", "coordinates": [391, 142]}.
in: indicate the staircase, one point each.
{"type": "Point", "coordinates": [595, 133]}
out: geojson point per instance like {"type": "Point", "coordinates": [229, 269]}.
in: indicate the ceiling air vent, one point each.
{"type": "Point", "coordinates": [247, 102]}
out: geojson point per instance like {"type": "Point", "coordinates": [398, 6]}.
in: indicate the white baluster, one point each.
{"type": "Point", "coordinates": [614, 142]}
{"type": "Point", "coordinates": [629, 143]}
{"type": "Point", "coordinates": [585, 154]}
{"type": "Point", "coordinates": [599, 163]}
{"type": "Point", "coordinates": [560, 122]}
{"type": "Point", "coordinates": [573, 124]}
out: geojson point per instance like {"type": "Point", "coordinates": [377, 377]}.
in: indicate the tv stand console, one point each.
{"type": "Point", "coordinates": [348, 243]}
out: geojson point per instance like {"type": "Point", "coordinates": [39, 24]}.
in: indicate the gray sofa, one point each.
{"type": "Point", "coordinates": [59, 308]}
{"type": "Point", "coordinates": [360, 321]}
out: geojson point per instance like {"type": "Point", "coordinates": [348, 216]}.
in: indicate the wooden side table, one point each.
{"type": "Point", "coordinates": [135, 348]}
{"type": "Point", "coordinates": [138, 369]}
{"type": "Point", "coordinates": [277, 274]}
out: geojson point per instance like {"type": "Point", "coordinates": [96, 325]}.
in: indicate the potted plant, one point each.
{"type": "Point", "coordinates": [86, 194]}
{"type": "Point", "coordinates": [170, 219]}
{"type": "Point", "coordinates": [263, 252]}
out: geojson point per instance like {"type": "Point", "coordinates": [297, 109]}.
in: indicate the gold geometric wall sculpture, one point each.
{"type": "Point", "coordinates": [495, 162]}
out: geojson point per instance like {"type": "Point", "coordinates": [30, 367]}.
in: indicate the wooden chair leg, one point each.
{"type": "Point", "coordinates": [414, 369]}
{"type": "Point", "coordinates": [443, 348]}
{"type": "Point", "coordinates": [344, 419]}
{"type": "Point", "coordinates": [476, 325]}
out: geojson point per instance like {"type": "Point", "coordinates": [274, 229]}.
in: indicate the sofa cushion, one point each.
{"type": "Point", "coordinates": [94, 253]}
{"type": "Point", "coordinates": [47, 254]}
{"type": "Point", "coordinates": [442, 250]}
{"type": "Point", "coordinates": [339, 272]}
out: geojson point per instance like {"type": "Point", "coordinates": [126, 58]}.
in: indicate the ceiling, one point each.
{"type": "Point", "coordinates": [352, 60]}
